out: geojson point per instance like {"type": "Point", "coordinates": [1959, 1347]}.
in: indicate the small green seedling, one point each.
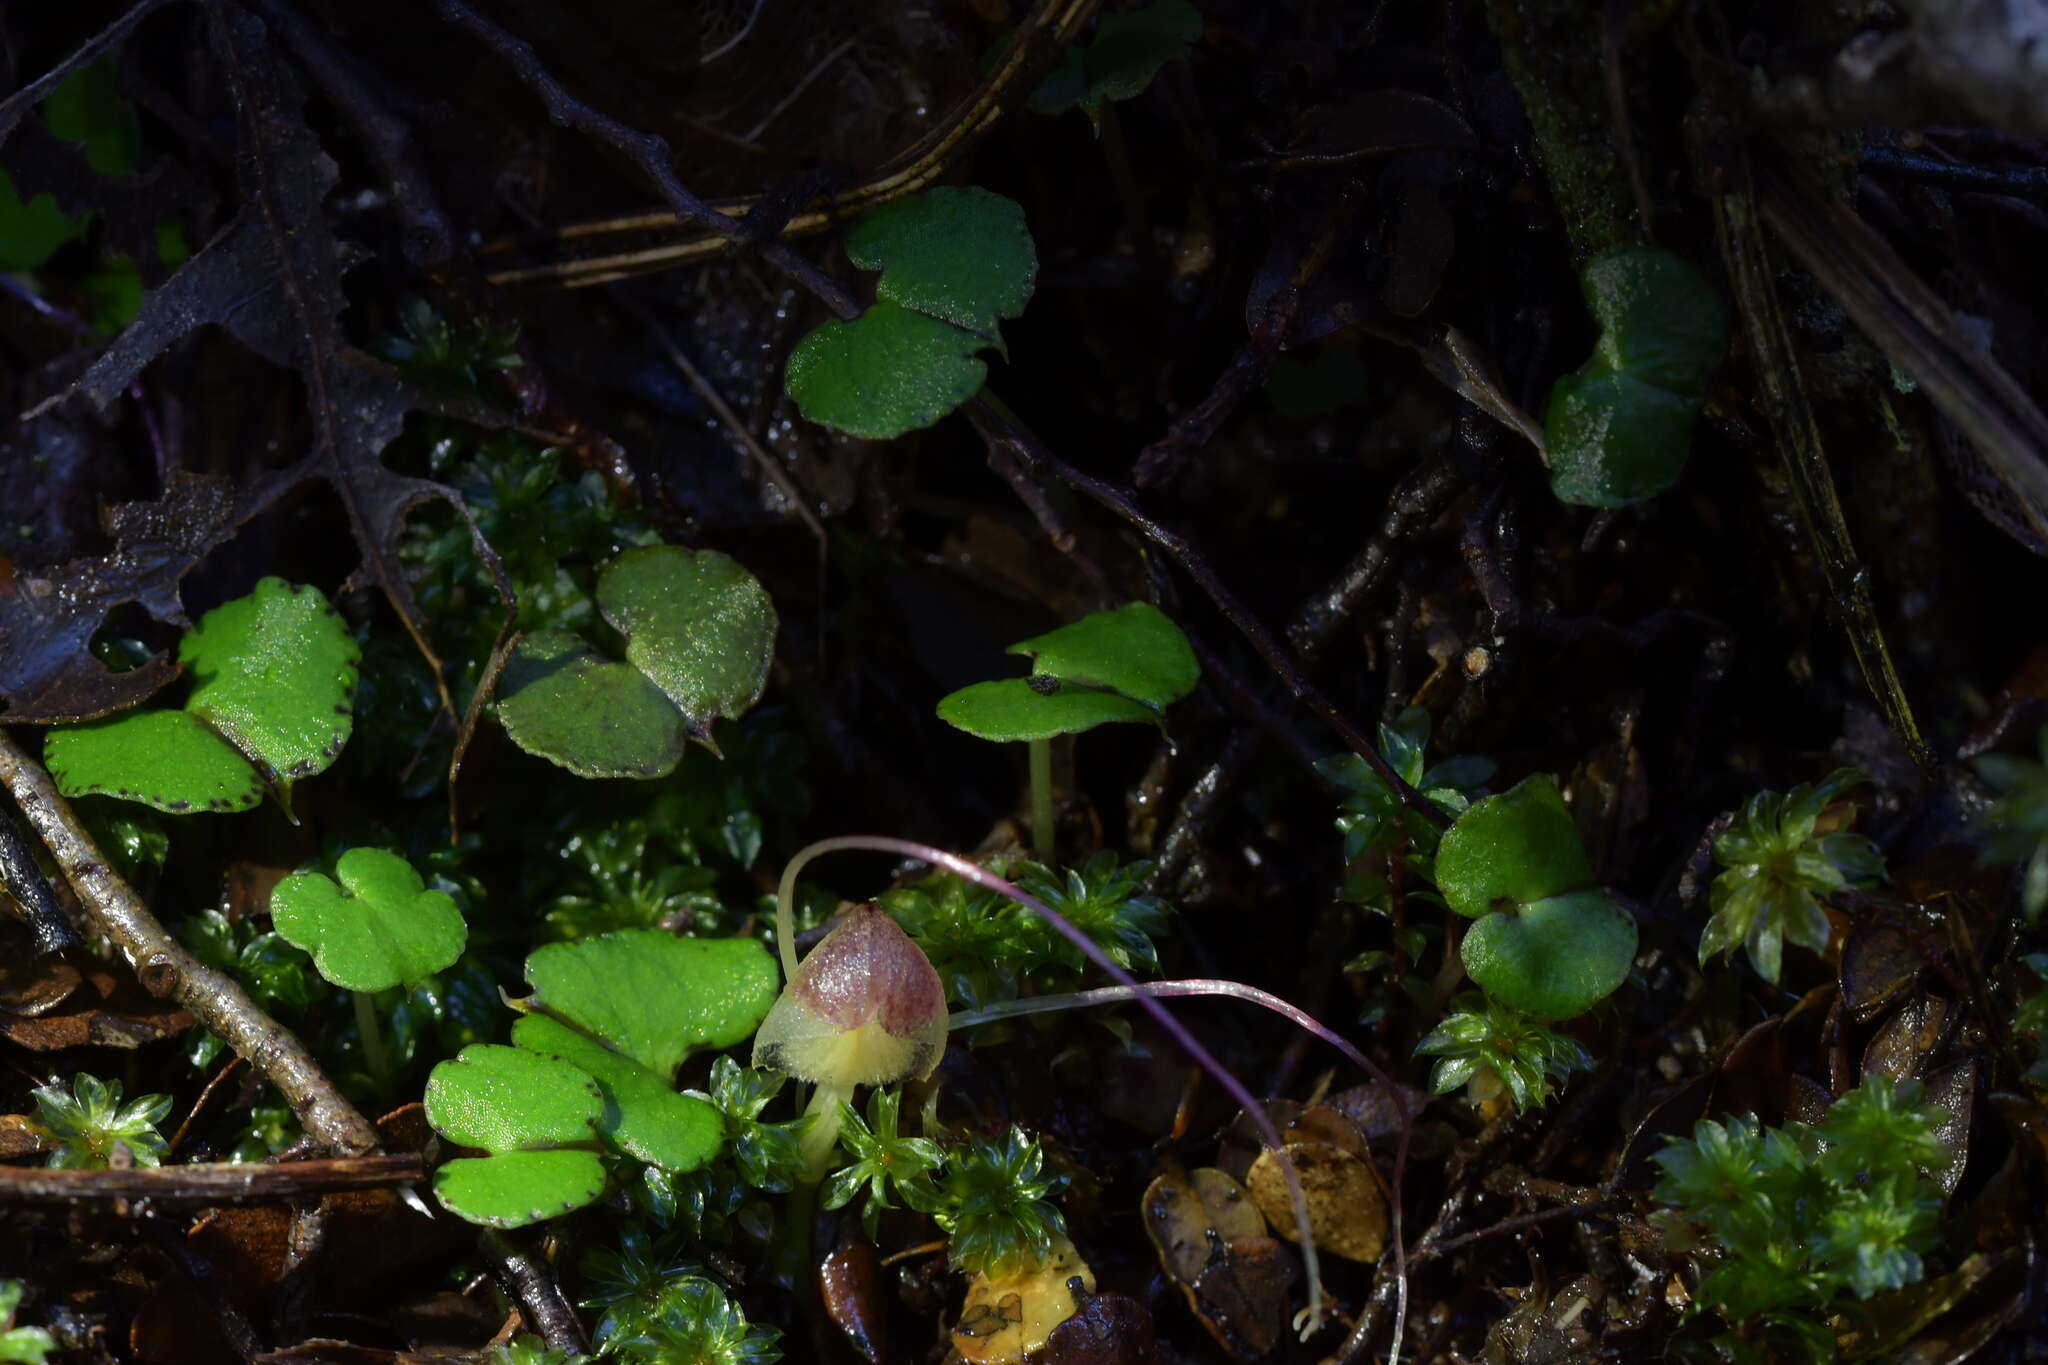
{"type": "Point", "coordinates": [1775, 864]}
{"type": "Point", "coordinates": [90, 1122]}
{"type": "Point", "coordinates": [275, 679]}
{"type": "Point", "coordinates": [1492, 1048]}
{"type": "Point", "coordinates": [700, 632]}
{"type": "Point", "coordinates": [1794, 1218]}
{"type": "Point", "coordinates": [1617, 428]}
{"type": "Point", "coordinates": [20, 1345]}
{"type": "Point", "coordinates": [2018, 821]}
{"type": "Point", "coordinates": [380, 928]}
{"type": "Point", "coordinates": [955, 263]}
{"type": "Point", "coordinates": [1129, 664]}
{"type": "Point", "coordinates": [1546, 941]}
{"type": "Point", "coordinates": [610, 1017]}
{"type": "Point", "coordinates": [1120, 61]}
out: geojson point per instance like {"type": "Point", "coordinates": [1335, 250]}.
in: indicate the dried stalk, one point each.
{"type": "Point", "coordinates": [206, 1185]}
{"type": "Point", "coordinates": [166, 969]}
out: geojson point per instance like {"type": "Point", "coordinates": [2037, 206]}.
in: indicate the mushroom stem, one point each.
{"type": "Point", "coordinates": [1044, 826]}
{"type": "Point", "coordinates": [821, 1134]}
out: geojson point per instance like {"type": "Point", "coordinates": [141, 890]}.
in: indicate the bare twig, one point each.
{"type": "Point", "coordinates": [531, 1282]}
{"type": "Point", "coordinates": [1000, 425]}
{"type": "Point", "coordinates": [22, 100]}
{"type": "Point", "coordinates": [206, 1184]}
{"type": "Point", "coordinates": [23, 880]}
{"type": "Point", "coordinates": [1753, 274]}
{"type": "Point", "coordinates": [166, 969]}
{"type": "Point", "coordinates": [645, 150]}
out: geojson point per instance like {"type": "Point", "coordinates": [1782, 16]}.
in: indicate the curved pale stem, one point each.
{"type": "Point", "coordinates": [981, 876]}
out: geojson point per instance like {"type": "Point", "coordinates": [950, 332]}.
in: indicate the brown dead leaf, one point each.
{"type": "Point", "coordinates": [1347, 1210]}
{"type": "Point", "coordinates": [109, 1008]}
{"type": "Point", "coordinates": [1212, 1240]}
{"type": "Point", "coordinates": [1006, 1317]}
{"type": "Point", "coordinates": [1109, 1329]}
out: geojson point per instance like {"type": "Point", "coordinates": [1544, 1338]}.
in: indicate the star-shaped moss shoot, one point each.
{"type": "Point", "coordinates": [865, 1008]}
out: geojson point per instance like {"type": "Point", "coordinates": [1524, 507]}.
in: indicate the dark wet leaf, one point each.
{"type": "Point", "coordinates": [47, 671]}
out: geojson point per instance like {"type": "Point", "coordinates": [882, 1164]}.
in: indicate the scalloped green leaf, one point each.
{"type": "Point", "coordinates": [1135, 649]}
{"type": "Point", "coordinates": [1123, 58]}
{"type": "Point", "coordinates": [654, 997]}
{"type": "Point", "coordinates": [960, 254]}
{"type": "Point", "coordinates": [1012, 709]}
{"type": "Point", "coordinates": [166, 759]}
{"type": "Point", "coordinates": [381, 927]}
{"type": "Point", "coordinates": [697, 624]}
{"type": "Point", "coordinates": [644, 1115]}
{"type": "Point", "coordinates": [1555, 958]}
{"type": "Point", "coordinates": [1519, 846]}
{"type": "Point", "coordinates": [1618, 427]}
{"type": "Point", "coordinates": [276, 675]}
{"type": "Point", "coordinates": [888, 371]}
{"type": "Point", "coordinates": [505, 1099]}
{"type": "Point", "coordinates": [515, 1189]}
{"type": "Point", "coordinates": [562, 701]}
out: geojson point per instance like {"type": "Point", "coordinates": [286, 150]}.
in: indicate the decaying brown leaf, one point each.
{"type": "Point", "coordinates": [1212, 1240]}
{"type": "Point", "coordinates": [1006, 1317]}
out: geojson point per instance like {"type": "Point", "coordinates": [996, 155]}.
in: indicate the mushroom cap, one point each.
{"type": "Point", "coordinates": [864, 1008]}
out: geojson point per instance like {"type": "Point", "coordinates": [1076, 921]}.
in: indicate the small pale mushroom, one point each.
{"type": "Point", "coordinates": [863, 1008]}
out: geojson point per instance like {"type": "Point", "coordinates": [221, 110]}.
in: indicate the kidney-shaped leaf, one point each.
{"type": "Point", "coordinates": [963, 255]}
{"type": "Point", "coordinates": [518, 1188]}
{"type": "Point", "coordinates": [696, 623]}
{"type": "Point", "coordinates": [1012, 709]}
{"type": "Point", "coordinates": [1554, 959]}
{"type": "Point", "coordinates": [1136, 650]}
{"type": "Point", "coordinates": [1617, 428]}
{"type": "Point", "coordinates": [165, 759]}
{"type": "Point", "coordinates": [380, 928]}
{"type": "Point", "coordinates": [654, 997]}
{"type": "Point", "coordinates": [504, 1099]}
{"type": "Point", "coordinates": [888, 371]}
{"type": "Point", "coordinates": [276, 674]}
{"type": "Point", "coordinates": [1519, 846]}
{"type": "Point", "coordinates": [566, 703]}
{"type": "Point", "coordinates": [644, 1116]}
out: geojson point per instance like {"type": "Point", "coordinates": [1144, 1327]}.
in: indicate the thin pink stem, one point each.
{"type": "Point", "coordinates": [981, 876]}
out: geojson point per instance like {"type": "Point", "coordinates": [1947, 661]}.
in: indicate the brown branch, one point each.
{"type": "Point", "coordinates": [532, 1284]}
{"type": "Point", "coordinates": [206, 1185]}
{"type": "Point", "coordinates": [645, 150]}
{"type": "Point", "coordinates": [1000, 426]}
{"type": "Point", "coordinates": [166, 969]}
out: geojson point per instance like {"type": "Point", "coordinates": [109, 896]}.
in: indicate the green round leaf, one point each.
{"type": "Point", "coordinates": [380, 928]}
{"type": "Point", "coordinates": [1553, 959]}
{"type": "Point", "coordinates": [696, 623]}
{"type": "Point", "coordinates": [644, 1115]}
{"type": "Point", "coordinates": [1011, 709]}
{"type": "Point", "coordinates": [518, 1188]}
{"type": "Point", "coordinates": [1519, 846]}
{"type": "Point", "coordinates": [1618, 428]}
{"type": "Point", "coordinates": [165, 759]}
{"type": "Point", "coordinates": [276, 674]}
{"type": "Point", "coordinates": [1615, 440]}
{"type": "Point", "coordinates": [1136, 650]}
{"type": "Point", "coordinates": [654, 997]}
{"type": "Point", "coordinates": [1129, 48]}
{"type": "Point", "coordinates": [503, 1099]}
{"type": "Point", "coordinates": [963, 255]}
{"type": "Point", "coordinates": [887, 372]}
{"type": "Point", "coordinates": [567, 704]}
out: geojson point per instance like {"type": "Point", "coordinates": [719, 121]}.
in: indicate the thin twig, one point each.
{"type": "Point", "coordinates": [166, 969]}
{"type": "Point", "coordinates": [206, 1185]}
{"type": "Point", "coordinates": [645, 150]}
{"type": "Point", "coordinates": [531, 1282]}
{"type": "Point", "coordinates": [998, 424]}
{"type": "Point", "coordinates": [18, 103]}
{"type": "Point", "coordinates": [22, 879]}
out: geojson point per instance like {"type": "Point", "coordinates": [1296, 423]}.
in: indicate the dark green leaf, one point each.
{"type": "Point", "coordinates": [1519, 846]}
{"type": "Point", "coordinates": [888, 371]}
{"type": "Point", "coordinates": [960, 255]}
{"type": "Point", "coordinates": [566, 703]}
{"type": "Point", "coordinates": [1014, 710]}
